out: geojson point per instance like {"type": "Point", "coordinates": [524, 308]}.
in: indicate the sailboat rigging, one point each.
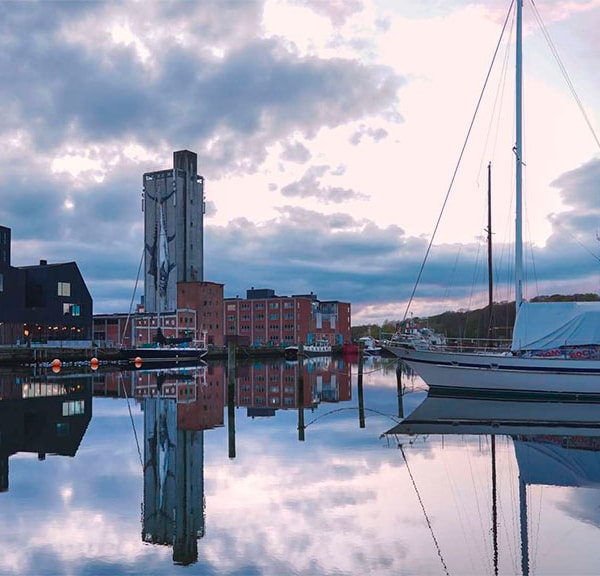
{"type": "Point", "coordinates": [555, 348]}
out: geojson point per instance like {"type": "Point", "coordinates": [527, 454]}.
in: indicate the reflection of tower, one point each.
{"type": "Point", "coordinates": [173, 481]}
{"type": "Point", "coordinates": [173, 204]}
{"type": "Point", "coordinates": [178, 405]}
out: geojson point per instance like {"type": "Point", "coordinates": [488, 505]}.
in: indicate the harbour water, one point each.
{"type": "Point", "coordinates": [278, 469]}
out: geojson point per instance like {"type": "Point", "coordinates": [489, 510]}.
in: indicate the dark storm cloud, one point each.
{"type": "Point", "coordinates": [258, 91]}
{"type": "Point", "coordinates": [332, 255]}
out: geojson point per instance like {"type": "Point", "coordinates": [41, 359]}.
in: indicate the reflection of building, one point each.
{"type": "Point", "coordinates": [264, 318]}
{"type": "Point", "coordinates": [46, 302]}
{"type": "Point", "coordinates": [178, 406]}
{"type": "Point", "coordinates": [265, 387]}
{"type": "Point", "coordinates": [42, 415]}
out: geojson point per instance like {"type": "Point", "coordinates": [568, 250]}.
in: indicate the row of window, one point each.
{"type": "Point", "coordinates": [274, 316]}
{"type": "Point", "coordinates": [64, 288]}
{"type": "Point", "coordinates": [272, 328]}
{"type": "Point", "coordinates": [259, 305]}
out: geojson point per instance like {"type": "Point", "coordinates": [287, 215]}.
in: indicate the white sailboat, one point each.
{"type": "Point", "coordinates": [555, 348]}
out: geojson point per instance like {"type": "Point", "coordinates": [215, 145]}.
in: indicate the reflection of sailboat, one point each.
{"type": "Point", "coordinates": [472, 415]}
{"type": "Point", "coordinates": [42, 415]}
{"type": "Point", "coordinates": [555, 443]}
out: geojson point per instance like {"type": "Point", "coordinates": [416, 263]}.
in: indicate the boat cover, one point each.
{"type": "Point", "coordinates": [552, 325]}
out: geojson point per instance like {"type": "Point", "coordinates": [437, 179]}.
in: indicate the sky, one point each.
{"type": "Point", "coordinates": [328, 133]}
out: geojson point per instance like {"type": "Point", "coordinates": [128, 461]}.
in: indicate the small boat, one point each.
{"type": "Point", "coordinates": [318, 348]}
{"type": "Point", "coordinates": [416, 337]}
{"type": "Point", "coordinates": [370, 347]}
{"type": "Point", "coordinates": [165, 349]}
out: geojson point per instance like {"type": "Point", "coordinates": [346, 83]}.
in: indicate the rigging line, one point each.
{"type": "Point", "coordinates": [137, 279]}
{"type": "Point", "coordinates": [496, 116]}
{"type": "Point", "coordinates": [460, 156]}
{"type": "Point", "coordinates": [394, 419]}
{"type": "Point", "coordinates": [555, 221]}
{"type": "Point", "coordinates": [563, 70]}
{"type": "Point", "coordinates": [437, 546]}
{"type": "Point", "coordinates": [137, 443]}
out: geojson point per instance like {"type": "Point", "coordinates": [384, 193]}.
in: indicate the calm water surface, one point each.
{"type": "Point", "coordinates": [285, 472]}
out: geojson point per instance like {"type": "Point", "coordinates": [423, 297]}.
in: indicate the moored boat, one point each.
{"type": "Point", "coordinates": [555, 345]}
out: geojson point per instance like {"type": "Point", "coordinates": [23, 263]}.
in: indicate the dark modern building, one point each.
{"type": "Point", "coordinates": [42, 303]}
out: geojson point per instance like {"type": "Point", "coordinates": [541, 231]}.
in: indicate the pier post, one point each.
{"type": "Point", "coordinates": [361, 397]}
{"type": "Point", "coordinates": [231, 398]}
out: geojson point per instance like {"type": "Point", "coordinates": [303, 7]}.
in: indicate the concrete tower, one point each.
{"type": "Point", "coordinates": [173, 205]}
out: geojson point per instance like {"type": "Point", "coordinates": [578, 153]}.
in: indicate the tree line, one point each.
{"type": "Point", "coordinates": [468, 323]}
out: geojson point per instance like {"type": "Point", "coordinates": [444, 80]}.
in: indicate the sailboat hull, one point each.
{"type": "Point", "coordinates": [159, 354]}
{"type": "Point", "coordinates": [504, 374]}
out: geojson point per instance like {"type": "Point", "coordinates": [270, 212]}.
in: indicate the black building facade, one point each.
{"type": "Point", "coordinates": [42, 303]}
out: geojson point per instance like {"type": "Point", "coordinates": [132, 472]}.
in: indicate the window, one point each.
{"type": "Point", "coordinates": [73, 407]}
{"type": "Point", "coordinates": [1, 282]}
{"type": "Point", "coordinates": [63, 428]}
{"type": "Point", "coordinates": [273, 305]}
{"type": "Point", "coordinates": [64, 289]}
{"type": "Point", "coordinates": [71, 309]}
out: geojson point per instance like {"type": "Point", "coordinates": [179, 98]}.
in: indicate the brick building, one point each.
{"type": "Point", "coordinates": [263, 318]}
{"type": "Point", "coordinates": [200, 310]}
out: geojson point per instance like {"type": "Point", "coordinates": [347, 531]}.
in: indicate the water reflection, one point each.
{"type": "Point", "coordinates": [281, 468]}
{"type": "Point", "coordinates": [179, 404]}
{"type": "Point", "coordinates": [556, 444]}
{"type": "Point", "coordinates": [42, 414]}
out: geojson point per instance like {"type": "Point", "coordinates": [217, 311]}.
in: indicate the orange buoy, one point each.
{"type": "Point", "coordinates": [56, 364]}
{"type": "Point", "coordinates": [94, 363]}
{"type": "Point", "coordinates": [138, 362]}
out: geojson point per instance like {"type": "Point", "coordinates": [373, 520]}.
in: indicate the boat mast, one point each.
{"type": "Point", "coordinates": [490, 268]}
{"type": "Point", "coordinates": [519, 159]}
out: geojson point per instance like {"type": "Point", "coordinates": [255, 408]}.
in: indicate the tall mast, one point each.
{"type": "Point", "coordinates": [519, 159]}
{"type": "Point", "coordinates": [490, 268]}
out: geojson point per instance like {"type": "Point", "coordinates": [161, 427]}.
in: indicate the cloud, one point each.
{"type": "Point", "coordinates": [310, 186]}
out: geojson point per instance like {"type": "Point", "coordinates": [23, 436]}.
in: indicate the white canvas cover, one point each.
{"type": "Point", "coordinates": [550, 325]}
